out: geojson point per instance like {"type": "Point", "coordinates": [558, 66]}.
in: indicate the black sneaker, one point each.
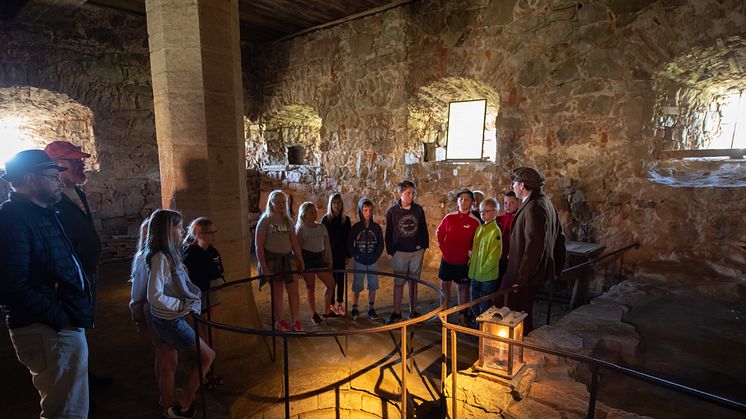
{"type": "Point", "coordinates": [394, 318]}
{"type": "Point", "coordinates": [316, 319]}
{"type": "Point", "coordinates": [413, 314]}
{"type": "Point", "coordinates": [175, 412]}
{"type": "Point", "coordinates": [372, 314]}
{"type": "Point", "coordinates": [355, 313]}
{"type": "Point", "coordinates": [331, 315]}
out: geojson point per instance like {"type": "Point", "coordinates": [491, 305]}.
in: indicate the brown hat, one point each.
{"type": "Point", "coordinates": [64, 150]}
{"type": "Point", "coordinates": [530, 177]}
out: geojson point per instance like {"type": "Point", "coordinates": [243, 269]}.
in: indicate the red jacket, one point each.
{"type": "Point", "coordinates": [455, 234]}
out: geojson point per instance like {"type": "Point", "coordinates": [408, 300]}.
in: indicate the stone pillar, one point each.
{"type": "Point", "coordinates": [195, 62]}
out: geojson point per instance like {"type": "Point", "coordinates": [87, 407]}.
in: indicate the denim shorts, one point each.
{"type": "Point", "coordinates": [175, 333]}
{"type": "Point", "coordinates": [359, 279]}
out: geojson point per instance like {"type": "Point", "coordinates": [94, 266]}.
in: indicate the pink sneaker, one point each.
{"type": "Point", "coordinates": [282, 326]}
{"type": "Point", "coordinates": [297, 326]}
{"type": "Point", "coordinates": [341, 310]}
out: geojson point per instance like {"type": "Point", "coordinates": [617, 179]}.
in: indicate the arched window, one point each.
{"type": "Point", "coordinates": [452, 119]}
{"type": "Point", "coordinates": [32, 118]}
{"type": "Point", "coordinates": [701, 104]}
{"type": "Point", "coordinates": [291, 135]}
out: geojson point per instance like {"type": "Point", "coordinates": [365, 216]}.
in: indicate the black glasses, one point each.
{"type": "Point", "coordinates": [53, 177]}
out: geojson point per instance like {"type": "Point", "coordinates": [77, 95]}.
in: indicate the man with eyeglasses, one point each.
{"type": "Point", "coordinates": [44, 292]}
{"type": "Point", "coordinates": [537, 243]}
{"type": "Point", "coordinates": [75, 215]}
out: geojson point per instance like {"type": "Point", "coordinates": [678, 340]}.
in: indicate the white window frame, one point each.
{"type": "Point", "coordinates": [454, 136]}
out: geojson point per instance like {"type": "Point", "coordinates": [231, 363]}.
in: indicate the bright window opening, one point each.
{"type": "Point", "coordinates": [732, 132]}
{"type": "Point", "coordinates": [14, 138]}
{"type": "Point", "coordinates": [465, 138]}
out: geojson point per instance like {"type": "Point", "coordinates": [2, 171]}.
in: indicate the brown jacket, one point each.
{"type": "Point", "coordinates": [537, 244]}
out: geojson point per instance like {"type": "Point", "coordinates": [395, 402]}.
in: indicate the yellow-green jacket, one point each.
{"type": "Point", "coordinates": [487, 247]}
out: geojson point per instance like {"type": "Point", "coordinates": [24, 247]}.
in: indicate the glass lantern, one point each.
{"type": "Point", "coordinates": [495, 357]}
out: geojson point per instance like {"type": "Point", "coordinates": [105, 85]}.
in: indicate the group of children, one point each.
{"type": "Point", "coordinates": [473, 242]}
{"type": "Point", "coordinates": [170, 276]}
{"type": "Point", "coordinates": [314, 248]}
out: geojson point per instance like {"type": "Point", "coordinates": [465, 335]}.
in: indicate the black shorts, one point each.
{"type": "Point", "coordinates": [314, 260]}
{"type": "Point", "coordinates": [456, 273]}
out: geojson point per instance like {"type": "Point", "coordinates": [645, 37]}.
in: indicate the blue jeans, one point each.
{"type": "Point", "coordinates": [478, 290]}
{"type": "Point", "coordinates": [359, 279]}
{"type": "Point", "coordinates": [58, 363]}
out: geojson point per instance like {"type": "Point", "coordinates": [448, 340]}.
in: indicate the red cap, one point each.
{"type": "Point", "coordinates": [64, 150]}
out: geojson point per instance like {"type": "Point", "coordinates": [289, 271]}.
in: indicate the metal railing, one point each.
{"type": "Point", "coordinates": [617, 254]}
{"type": "Point", "coordinates": [405, 344]}
{"type": "Point", "coordinates": [448, 330]}
{"type": "Point", "coordinates": [595, 364]}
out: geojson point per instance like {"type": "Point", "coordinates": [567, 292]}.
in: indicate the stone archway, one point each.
{"type": "Point", "coordinates": [290, 135]}
{"type": "Point", "coordinates": [427, 121]}
{"type": "Point", "coordinates": [32, 118]}
{"type": "Point", "coordinates": [690, 91]}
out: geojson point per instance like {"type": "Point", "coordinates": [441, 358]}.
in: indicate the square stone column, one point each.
{"type": "Point", "coordinates": [195, 61]}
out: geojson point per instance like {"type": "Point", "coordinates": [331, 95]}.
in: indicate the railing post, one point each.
{"type": "Point", "coordinates": [454, 374]}
{"type": "Point", "coordinates": [551, 297]}
{"type": "Point", "coordinates": [404, 372]}
{"type": "Point", "coordinates": [286, 376]}
{"type": "Point", "coordinates": [200, 376]}
{"type": "Point", "coordinates": [444, 370]}
{"type": "Point", "coordinates": [344, 282]}
{"type": "Point", "coordinates": [272, 309]}
{"type": "Point", "coordinates": [594, 388]}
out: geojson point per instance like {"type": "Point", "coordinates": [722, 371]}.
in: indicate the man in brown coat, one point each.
{"type": "Point", "coordinates": [537, 244]}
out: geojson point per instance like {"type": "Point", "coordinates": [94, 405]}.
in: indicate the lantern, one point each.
{"type": "Point", "coordinates": [497, 357]}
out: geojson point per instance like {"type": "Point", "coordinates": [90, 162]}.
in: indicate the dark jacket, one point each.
{"type": "Point", "coordinates": [204, 265]}
{"type": "Point", "coordinates": [39, 281]}
{"type": "Point", "coordinates": [537, 244]}
{"type": "Point", "coordinates": [365, 243]}
{"type": "Point", "coordinates": [338, 229]}
{"type": "Point", "coordinates": [79, 228]}
{"type": "Point", "coordinates": [406, 229]}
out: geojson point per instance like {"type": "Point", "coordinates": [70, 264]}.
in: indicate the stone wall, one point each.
{"type": "Point", "coordinates": [576, 84]}
{"type": "Point", "coordinates": [99, 61]}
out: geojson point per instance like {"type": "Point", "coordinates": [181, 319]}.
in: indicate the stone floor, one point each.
{"type": "Point", "coordinates": [253, 382]}
{"type": "Point", "coordinates": [675, 331]}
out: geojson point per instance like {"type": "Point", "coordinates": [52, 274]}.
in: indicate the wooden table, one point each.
{"type": "Point", "coordinates": [577, 253]}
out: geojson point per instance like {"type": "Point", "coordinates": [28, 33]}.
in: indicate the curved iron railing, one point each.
{"type": "Point", "coordinates": [595, 364]}
{"type": "Point", "coordinates": [403, 325]}
{"type": "Point", "coordinates": [618, 254]}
